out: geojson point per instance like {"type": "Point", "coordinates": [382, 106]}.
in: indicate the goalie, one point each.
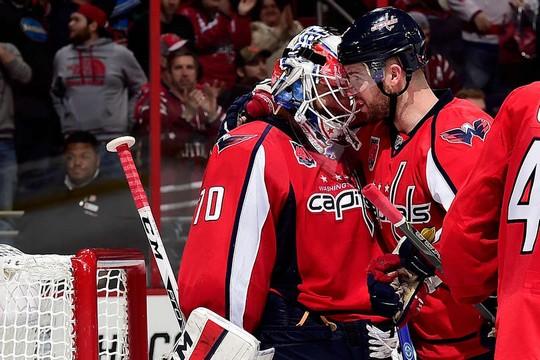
{"type": "Point", "coordinates": [280, 240]}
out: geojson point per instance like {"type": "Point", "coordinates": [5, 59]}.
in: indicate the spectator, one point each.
{"type": "Point", "coordinates": [168, 43]}
{"type": "Point", "coordinates": [190, 117]}
{"type": "Point", "coordinates": [481, 43]}
{"type": "Point", "coordinates": [274, 28]}
{"type": "Point", "coordinates": [37, 128]}
{"type": "Point", "coordinates": [219, 33]}
{"type": "Point", "coordinates": [171, 22]}
{"type": "Point", "coordinates": [12, 68]}
{"type": "Point", "coordinates": [94, 82]}
{"type": "Point", "coordinates": [250, 69]}
{"type": "Point", "coordinates": [439, 72]}
{"type": "Point", "coordinates": [475, 96]}
{"type": "Point", "coordinates": [86, 210]}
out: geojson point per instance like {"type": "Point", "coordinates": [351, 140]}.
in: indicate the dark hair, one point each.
{"type": "Point", "coordinates": [80, 136]}
{"type": "Point", "coordinates": [186, 52]}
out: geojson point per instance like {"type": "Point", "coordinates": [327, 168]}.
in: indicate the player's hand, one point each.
{"type": "Point", "coordinates": [391, 289]}
{"type": "Point", "coordinates": [261, 103]}
{"type": "Point", "coordinates": [414, 261]}
{"type": "Point", "coordinates": [383, 296]}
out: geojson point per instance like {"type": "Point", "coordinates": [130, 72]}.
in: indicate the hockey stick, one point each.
{"type": "Point", "coordinates": [121, 146]}
{"type": "Point", "coordinates": [199, 334]}
{"type": "Point", "coordinates": [381, 202]}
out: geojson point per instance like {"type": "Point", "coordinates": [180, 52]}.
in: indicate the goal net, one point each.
{"type": "Point", "coordinates": [88, 306]}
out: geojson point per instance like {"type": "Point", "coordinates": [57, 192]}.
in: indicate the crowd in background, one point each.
{"type": "Point", "coordinates": [74, 75]}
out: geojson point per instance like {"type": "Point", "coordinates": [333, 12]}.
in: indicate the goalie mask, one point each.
{"type": "Point", "coordinates": [310, 82]}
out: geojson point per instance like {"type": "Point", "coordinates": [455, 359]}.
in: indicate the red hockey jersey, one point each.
{"type": "Point", "coordinates": [420, 173]}
{"type": "Point", "coordinates": [501, 201]}
{"type": "Point", "coordinates": [274, 215]}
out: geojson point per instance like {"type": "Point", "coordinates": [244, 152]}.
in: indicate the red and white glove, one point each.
{"type": "Point", "coordinates": [262, 102]}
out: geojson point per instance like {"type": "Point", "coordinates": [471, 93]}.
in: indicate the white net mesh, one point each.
{"type": "Point", "coordinates": [112, 310]}
{"type": "Point", "coordinates": [36, 312]}
{"type": "Point", "coordinates": [37, 316]}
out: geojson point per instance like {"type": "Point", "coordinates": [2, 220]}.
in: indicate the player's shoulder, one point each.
{"type": "Point", "coordinates": [250, 136]}
{"type": "Point", "coordinates": [527, 95]}
{"type": "Point", "coordinates": [460, 122]}
{"type": "Point", "coordinates": [459, 111]}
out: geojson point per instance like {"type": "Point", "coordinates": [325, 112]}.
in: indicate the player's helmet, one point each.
{"type": "Point", "coordinates": [381, 34]}
{"type": "Point", "coordinates": [310, 82]}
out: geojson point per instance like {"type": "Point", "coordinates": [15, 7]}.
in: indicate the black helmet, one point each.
{"type": "Point", "coordinates": [381, 34]}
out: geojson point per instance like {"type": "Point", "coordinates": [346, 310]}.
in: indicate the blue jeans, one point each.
{"type": "Point", "coordinates": [8, 183]}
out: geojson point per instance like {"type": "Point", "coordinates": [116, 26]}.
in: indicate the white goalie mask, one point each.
{"type": "Point", "coordinates": [310, 82]}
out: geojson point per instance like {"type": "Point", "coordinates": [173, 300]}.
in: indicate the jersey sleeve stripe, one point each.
{"type": "Point", "coordinates": [434, 158]}
{"type": "Point", "coordinates": [441, 191]}
{"type": "Point", "coordinates": [247, 227]}
{"type": "Point", "coordinates": [255, 210]}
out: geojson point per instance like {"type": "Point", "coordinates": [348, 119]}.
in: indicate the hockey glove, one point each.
{"type": "Point", "coordinates": [414, 261]}
{"type": "Point", "coordinates": [383, 296]}
{"type": "Point", "coordinates": [252, 106]}
{"type": "Point", "coordinates": [394, 292]}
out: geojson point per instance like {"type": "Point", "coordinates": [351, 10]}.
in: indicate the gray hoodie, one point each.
{"type": "Point", "coordinates": [15, 70]}
{"type": "Point", "coordinates": [94, 88]}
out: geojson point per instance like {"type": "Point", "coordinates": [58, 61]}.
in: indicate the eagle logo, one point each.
{"type": "Point", "coordinates": [466, 132]}
{"type": "Point", "coordinates": [229, 140]}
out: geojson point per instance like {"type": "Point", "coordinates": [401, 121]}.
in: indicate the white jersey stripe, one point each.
{"type": "Point", "coordinates": [255, 209]}
{"type": "Point", "coordinates": [439, 188]}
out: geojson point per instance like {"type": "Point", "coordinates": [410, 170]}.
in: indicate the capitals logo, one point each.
{"type": "Point", "coordinates": [466, 133]}
{"type": "Point", "coordinates": [302, 156]}
{"type": "Point", "coordinates": [229, 140]}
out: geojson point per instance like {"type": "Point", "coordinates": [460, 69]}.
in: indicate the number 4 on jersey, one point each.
{"type": "Point", "coordinates": [524, 205]}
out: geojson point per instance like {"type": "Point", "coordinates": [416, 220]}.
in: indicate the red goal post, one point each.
{"type": "Point", "coordinates": [88, 306]}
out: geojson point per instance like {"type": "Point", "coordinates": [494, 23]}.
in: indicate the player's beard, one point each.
{"type": "Point", "coordinates": [375, 110]}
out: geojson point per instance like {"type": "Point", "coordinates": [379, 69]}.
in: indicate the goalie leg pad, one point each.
{"type": "Point", "coordinates": [209, 336]}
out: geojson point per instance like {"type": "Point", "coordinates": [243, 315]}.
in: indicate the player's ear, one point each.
{"type": "Point", "coordinates": [394, 75]}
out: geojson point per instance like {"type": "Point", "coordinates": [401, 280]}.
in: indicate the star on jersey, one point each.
{"type": "Point", "coordinates": [324, 179]}
{"type": "Point", "coordinates": [338, 177]}
{"type": "Point", "coordinates": [386, 188]}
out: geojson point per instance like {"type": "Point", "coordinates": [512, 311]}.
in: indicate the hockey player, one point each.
{"type": "Point", "coordinates": [490, 232]}
{"type": "Point", "coordinates": [280, 240]}
{"type": "Point", "coordinates": [419, 156]}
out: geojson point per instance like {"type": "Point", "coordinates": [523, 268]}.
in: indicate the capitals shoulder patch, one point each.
{"type": "Point", "coordinates": [467, 132]}
{"type": "Point", "coordinates": [302, 156]}
{"type": "Point", "coordinates": [229, 140]}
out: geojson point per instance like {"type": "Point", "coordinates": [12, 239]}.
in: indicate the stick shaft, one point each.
{"type": "Point", "coordinates": [150, 229]}
{"type": "Point", "coordinates": [377, 198]}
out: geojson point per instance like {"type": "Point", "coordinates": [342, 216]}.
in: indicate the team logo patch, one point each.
{"type": "Point", "coordinates": [229, 140]}
{"type": "Point", "coordinates": [385, 22]}
{"type": "Point", "coordinates": [373, 152]}
{"type": "Point", "coordinates": [302, 156]}
{"type": "Point", "coordinates": [466, 133]}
